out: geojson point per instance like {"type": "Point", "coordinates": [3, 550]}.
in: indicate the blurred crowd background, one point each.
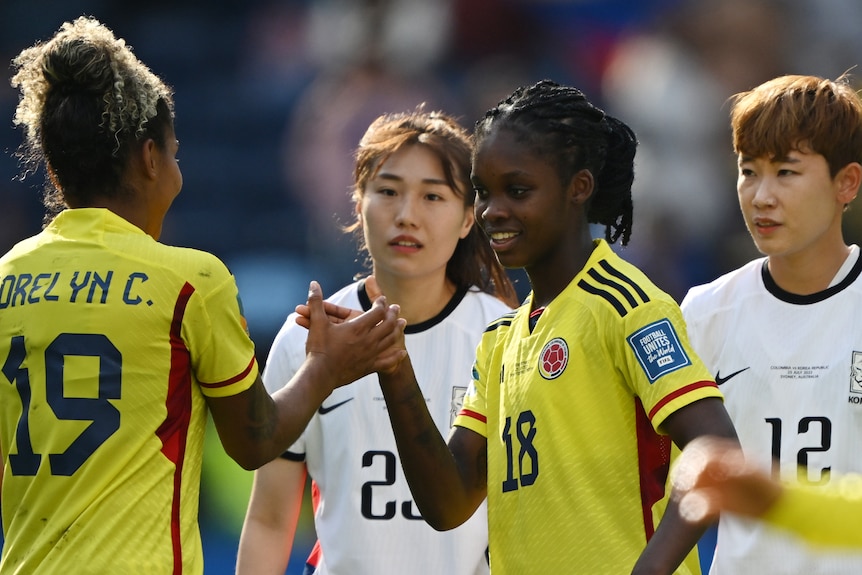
{"type": "Point", "coordinates": [272, 96]}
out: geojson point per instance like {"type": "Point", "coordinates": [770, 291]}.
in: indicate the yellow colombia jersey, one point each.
{"type": "Point", "coordinates": [576, 470]}
{"type": "Point", "coordinates": [108, 342]}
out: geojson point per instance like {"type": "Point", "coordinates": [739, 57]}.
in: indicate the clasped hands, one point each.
{"type": "Point", "coordinates": [354, 343]}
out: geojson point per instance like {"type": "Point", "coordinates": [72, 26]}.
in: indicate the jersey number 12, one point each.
{"type": "Point", "coordinates": [805, 425]}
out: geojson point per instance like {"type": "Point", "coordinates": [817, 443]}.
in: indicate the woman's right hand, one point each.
{"type": "Point", "coordinates": [337, 313]}
{"type": "Point", "coordinates": [355, 342]}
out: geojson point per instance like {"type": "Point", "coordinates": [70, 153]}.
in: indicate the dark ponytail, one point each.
{"type": "Point", "coordinates": [86, 101]}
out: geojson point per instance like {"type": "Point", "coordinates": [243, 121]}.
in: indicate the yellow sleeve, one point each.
{"type": "Point", "coordinates": [830, 516]}
{"type": "Point", "coordinates": [223, 357]}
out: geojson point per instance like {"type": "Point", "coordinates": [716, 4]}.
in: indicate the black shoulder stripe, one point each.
{"type": "Point", "coordinates": [616, 285]}
{"type": "Point", "coordinates": [504, 320]}
{"type": "Point", "coordinates": [622, 277]}
{"type": "Point", "coordinates": [611, 299]}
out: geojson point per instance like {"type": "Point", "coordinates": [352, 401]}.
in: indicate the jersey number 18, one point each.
{"type": "Point", "coordinates": [528, 457]}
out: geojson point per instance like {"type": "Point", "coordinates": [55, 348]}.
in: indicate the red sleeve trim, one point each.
{"type": "Point", "coordinates": [234, 379]}
{"type": "Point", "coordinates": [679, 392]}
{"type": "Point", "coordinates": [474, 415]}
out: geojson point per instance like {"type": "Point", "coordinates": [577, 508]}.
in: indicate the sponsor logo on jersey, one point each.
{"type": "Point", "coordinates": [324, 410]}
{"type": "Point", "coordinates": [856, 374]}
{"type": "Point", "coordinates": [658, 350]}
{"type": "Point", "coordinates": [722, 379]}
{"type": "Point", "coordinates": [457, 402]}
{"type": "Point", "coordinates": [554, 358]}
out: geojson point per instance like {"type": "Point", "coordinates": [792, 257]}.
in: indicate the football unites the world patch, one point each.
{"type": "Point", "coordinates": [658, 350]}
{"type": "Point", "coordinates": [554, 358]}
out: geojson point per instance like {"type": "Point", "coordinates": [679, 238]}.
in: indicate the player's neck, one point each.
{"type": "Point", "coordinates": [419, 298]}
{"type": "Point", "coordinates": [135, 208]}
{"type": "Point", "coordinates": [807, 273]}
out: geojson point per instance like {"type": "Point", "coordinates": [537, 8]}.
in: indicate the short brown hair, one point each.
{"type": "Point", "coordinates": [790, 112]}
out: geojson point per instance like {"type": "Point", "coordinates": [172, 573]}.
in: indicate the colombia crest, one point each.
{"type": "Point", "coordinates": [554, 358]}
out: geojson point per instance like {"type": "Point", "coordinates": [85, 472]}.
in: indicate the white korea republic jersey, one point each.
{"type": "Point", "coordinates": [365, 517]}
{"type": "Point", "coordinates": [790, 368]}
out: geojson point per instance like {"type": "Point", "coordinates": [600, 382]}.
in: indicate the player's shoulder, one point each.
{"type": "Point", "coordinates": [179, 254]}
{"type": "Point", "coordinates": [488, 306]}
{"type": "Point", "coordinates": [500, 325]}
{"type": "Point", "coordinates": [467, 313]}
{"type": "Point", "coordinates": [201, 269]}
{"type": "Point", "coordinates": [616, 285]}
{"type": "Point", "coordinates": [20, 248]}
{"type": "Point", "coordinates": [727, 288]}
{"type": "Point", "coordinates": [291, 334]}
{"type": "Point", "coordinates": [285, 354]}
{"type": "Point", "coordinates": [27, 248]}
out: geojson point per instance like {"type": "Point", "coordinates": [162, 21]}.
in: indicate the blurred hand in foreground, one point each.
{"type": "Point", "coordinates": [712, 476]}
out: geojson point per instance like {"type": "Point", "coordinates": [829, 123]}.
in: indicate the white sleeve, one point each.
{"type": "Point", "coordinates": [689, 307]}
{"type": "Point", "coordinates": [285, 356]}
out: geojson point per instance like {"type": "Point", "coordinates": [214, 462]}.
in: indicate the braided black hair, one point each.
{"type": "Point", "coordinates": [560, 123]}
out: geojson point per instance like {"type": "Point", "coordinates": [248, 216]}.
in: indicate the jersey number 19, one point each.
{"type": "Point", "coordinates": [104, 418]}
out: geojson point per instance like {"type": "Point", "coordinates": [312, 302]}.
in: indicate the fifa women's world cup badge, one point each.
{"type": "Point", "coordinates": [554, 358]}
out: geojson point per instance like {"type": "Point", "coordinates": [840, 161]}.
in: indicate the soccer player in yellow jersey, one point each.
{"type": "Point", "coordinates": [578, 395]}
{"type": "Point", "coordinates": [113, 346]}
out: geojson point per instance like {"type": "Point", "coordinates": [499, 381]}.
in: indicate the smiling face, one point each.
{"type": "Point", "coordinates": [411, 218]}
{"type": "Point", "coordinates": [791, 205]}
{"type": "Point", "coordinates": [523, 206]}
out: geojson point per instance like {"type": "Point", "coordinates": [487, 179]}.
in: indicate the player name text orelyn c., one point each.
{"type": "Point", "coordinates": [81, 286]}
